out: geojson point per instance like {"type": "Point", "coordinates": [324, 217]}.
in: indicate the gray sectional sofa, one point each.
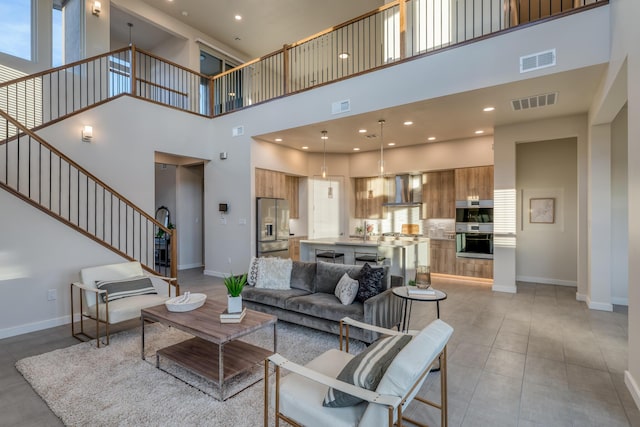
{"type": "Point", "coordinates": [311, 301]}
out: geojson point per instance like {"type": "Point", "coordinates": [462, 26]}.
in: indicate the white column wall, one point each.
{"type": "Point", "coordinates": [599, 280]}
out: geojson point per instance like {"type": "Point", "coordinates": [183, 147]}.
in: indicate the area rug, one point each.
{"type": "Point", "coordinates": [113, 386]}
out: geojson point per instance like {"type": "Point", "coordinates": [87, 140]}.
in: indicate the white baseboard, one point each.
{"type": "Point", "coordinates": [547, 281]}
{"type": "Point", "coordinates": [188, 266]}
{"type": "Point", "coordinates": [620, 301]}
{"type": "Point", "coordinates": [508, 289]}
{"type": "Point", "coordinates": [632, 385]}
{"type": "Point", "coordinates": [36, 326]}
{"type": "Point", "coordinates": [214, 273]}
{"type": "Point", "coordinates": [602, 306]}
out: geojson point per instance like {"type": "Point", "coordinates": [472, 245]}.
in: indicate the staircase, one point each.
{"type": "Point", "coordinates": [35, 171]}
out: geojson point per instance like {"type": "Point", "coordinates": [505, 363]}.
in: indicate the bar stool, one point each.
{"type": "Point", "coordinates": [368, 257]}
{"type": "Point", "coordinates": [329, 254]}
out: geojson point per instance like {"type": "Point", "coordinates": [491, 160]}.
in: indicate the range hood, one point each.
{"type": "Point", "coordinates": [404, 190]}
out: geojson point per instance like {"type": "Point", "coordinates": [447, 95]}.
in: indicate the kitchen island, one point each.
{"type": "Point", "coordinates": [402, 255]}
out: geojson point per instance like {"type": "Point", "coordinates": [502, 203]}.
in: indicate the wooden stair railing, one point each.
{"type": "Point", "coordinates": [39, 174]}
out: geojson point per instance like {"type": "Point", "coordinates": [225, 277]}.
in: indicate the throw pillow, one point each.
{"type": "Point", "coordinates": [346, 289]}
{"type": "Point", "coordinates": [252, 275]}
{"type": "Point", "coordinates": [370, 282]}
{"type": "Point", "coordinates": [366, 369]}
{"type": "Point", "coordinates": [123, 288]}
{"type": "Point", "coordinates": [274, 273]}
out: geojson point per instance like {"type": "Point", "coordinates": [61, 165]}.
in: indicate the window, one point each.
{"type": "Point", "coordinates": [56, 37]}
{"type": "Point", "coordinates": [15, 21]}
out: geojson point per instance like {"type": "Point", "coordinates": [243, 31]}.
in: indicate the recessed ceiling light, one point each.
{"type": "Point", "coordinates": [487, 109]}
{"type": "Point", "coordinates": [391, 144]}
{"type": "Point", "coordinates": [185, 13]}
{"type": "Point", "coordinates": [305, 148]}
{"type": "Point", "coordinates": [232, 94]}
{"type": "Point", "coordinates": [356, 149]}
{"type": "Point", "coordinates": [343, 55]}
{"type": "Point", "coordinates": [478, 132]}
{"type": "Point", "coordinates": [362, 131]}
{"type": "Point", "coordinates": [431, 138]}
{"type": "Point", "coordinates": [238, 17]}
{"type": "Point", "coordinates": [278, 140]}
{"type": "Point", "coordinates": [408, 123]}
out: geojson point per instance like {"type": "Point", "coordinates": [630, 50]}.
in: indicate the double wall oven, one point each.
{"type": "Point", "coordinates": [474, 229]}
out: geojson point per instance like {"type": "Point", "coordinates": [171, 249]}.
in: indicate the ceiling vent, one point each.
{"type": "Point", "coordinates": [341, 106]}
{"type": "Point", "coordinates": [537, 61]}
{"type": "Point", "coordinates": [536, 101]}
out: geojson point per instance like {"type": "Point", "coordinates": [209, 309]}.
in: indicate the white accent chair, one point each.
{"type": "Point", "coordinates": [298, 396]}
{"type": "Point", "coordinates": [110, 312]}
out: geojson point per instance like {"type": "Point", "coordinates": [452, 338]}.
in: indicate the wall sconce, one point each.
{"type": "Point", "coordinates": [97, 8]}
{"type": "Point", "coordinates": [87, 133]}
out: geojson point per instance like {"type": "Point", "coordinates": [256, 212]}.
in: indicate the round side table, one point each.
{"type": "Point", "coordinates": [409, 298]}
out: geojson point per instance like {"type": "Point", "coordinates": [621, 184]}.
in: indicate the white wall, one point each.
{"type": "Point", "coordinates": [189, 222]}
{"type": "Point", "coordinates": [619, 210]}
{"type": "Point", "coordinates": [547, 253]}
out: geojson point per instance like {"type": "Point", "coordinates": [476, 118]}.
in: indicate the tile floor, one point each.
{"type": "Point", "coordinates": [535, 358]}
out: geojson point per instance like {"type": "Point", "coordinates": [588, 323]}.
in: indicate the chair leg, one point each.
{"type": "Point", "coordinates": [266, 392]}
{"type": "Point", "coordinates": [443, 388]}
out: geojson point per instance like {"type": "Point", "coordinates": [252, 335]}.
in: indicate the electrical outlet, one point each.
{"type": "Point", "coordinates": [242, 221]}
{"type": "Point", "coordinates": [52, 294]}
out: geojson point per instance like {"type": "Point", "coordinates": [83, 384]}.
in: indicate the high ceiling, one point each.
{"type": "Point", "coordinates": [266, 26]}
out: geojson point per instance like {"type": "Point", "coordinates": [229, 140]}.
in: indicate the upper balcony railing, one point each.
{"type": "Point", "coordinates": [395, 32]}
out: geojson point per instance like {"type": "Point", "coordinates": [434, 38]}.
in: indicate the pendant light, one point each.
{"type": "Point", "coordinates": [381, 161]}
{"type": "Point", "coordinates": [324, 138]}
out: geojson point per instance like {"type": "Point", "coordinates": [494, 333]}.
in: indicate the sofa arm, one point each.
{"type": "Point", "coordinates": [383, 310]}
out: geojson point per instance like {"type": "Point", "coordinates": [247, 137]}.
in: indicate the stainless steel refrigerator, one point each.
{"type": "Point", "coordinates": [272, 228]}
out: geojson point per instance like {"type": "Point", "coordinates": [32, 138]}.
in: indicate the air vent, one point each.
{"type": "Point", "coordinates": [538, 61]}
{"type": "Point", "coordinates": [536, 101]}
{"type": "Point", "coordinates": [237, 131]}
{"type": "Point", "coordinates": [341, 106]}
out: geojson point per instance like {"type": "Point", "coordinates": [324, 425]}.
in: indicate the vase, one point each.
{"type": "Point", "coordinates": [234, 304]}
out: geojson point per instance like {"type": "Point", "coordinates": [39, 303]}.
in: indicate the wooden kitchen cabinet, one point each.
{"type": "Point", "coordinates": [442, 256]}
{"type": "Point", "coordinates": [476, 182]}
{"type": "Point", "coordinates": [365, 207]}
{"type": "Point", "coordinates": [270, 184]}
{"type": "Point", "coordinates": [474, 267]}
{"type": "Point", "coordinates": [439, 195]}
{"type": "Point", "coordinates": [292, 184]}
{"type": "Point", "coordinates": [294, 247]}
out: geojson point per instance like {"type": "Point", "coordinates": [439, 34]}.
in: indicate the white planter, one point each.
{"type": "Point", "coordinates": [234, 304]}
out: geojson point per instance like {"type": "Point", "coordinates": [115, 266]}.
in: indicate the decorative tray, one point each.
{"type": "Point", "coordinates": [186, 302]}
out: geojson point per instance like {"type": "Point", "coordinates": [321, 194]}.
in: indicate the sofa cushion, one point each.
{"type": "Point", "coordinates": [366, 369]}
{"type": "Point", "coordinates": [272, 297]}
{"type": "Point", "coordinates": [324, 306]}
{"type": "Point", "coordinates": [274, 273]}
{"type": "Point", "coordinates": [302, 275]}
{"type": "Point", "coordinates": [347, 289]}
{"type": "Point", "coordinates": [328, 275]}
{"type": "Point", "coordinates": [371, 282]}
{"type": "Point", "coordinates": [123, 288]}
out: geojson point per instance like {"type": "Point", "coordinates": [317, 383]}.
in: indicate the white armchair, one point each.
{"type": "Point", "coordinates": [96, 304]}
{"type": "Point", "coordinates": [298, 397]}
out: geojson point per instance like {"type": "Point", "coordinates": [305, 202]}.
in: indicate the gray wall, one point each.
{"type": "Point", "coordinates": [547, 253]}
{"type": "Point", "coordinates": [619, 210]}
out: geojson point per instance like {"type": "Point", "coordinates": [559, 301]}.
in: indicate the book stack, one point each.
{"type": "Point", "coordinates": [226, 317]}
{"type": "Point", "coordinates": [418, 291]}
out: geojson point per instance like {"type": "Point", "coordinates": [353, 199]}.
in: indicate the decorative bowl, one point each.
{"type": "Point", "coordinates": [194, 301]}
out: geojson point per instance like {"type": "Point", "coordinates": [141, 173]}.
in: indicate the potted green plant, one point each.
{"type": "Point", "coordinates": [234, 286]}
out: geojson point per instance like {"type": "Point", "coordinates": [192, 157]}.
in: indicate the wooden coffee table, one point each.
{"type": "Point", "coordinates": [214, 353]}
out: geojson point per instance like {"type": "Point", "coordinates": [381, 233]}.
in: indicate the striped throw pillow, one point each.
{"type": "Point", "coordinates": [123, 288]}
{"type": "Point", "coordinates": [366, 369]}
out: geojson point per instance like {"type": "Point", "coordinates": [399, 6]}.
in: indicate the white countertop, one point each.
{"type": "Point", "coordinates": [353, 241]}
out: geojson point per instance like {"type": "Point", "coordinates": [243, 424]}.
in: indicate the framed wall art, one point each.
{"type": "Point", "coordinates": [542, 210]}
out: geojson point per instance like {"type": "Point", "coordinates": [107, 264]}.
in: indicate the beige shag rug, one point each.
{"type": "Point", "coordinates": [113, 386]}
